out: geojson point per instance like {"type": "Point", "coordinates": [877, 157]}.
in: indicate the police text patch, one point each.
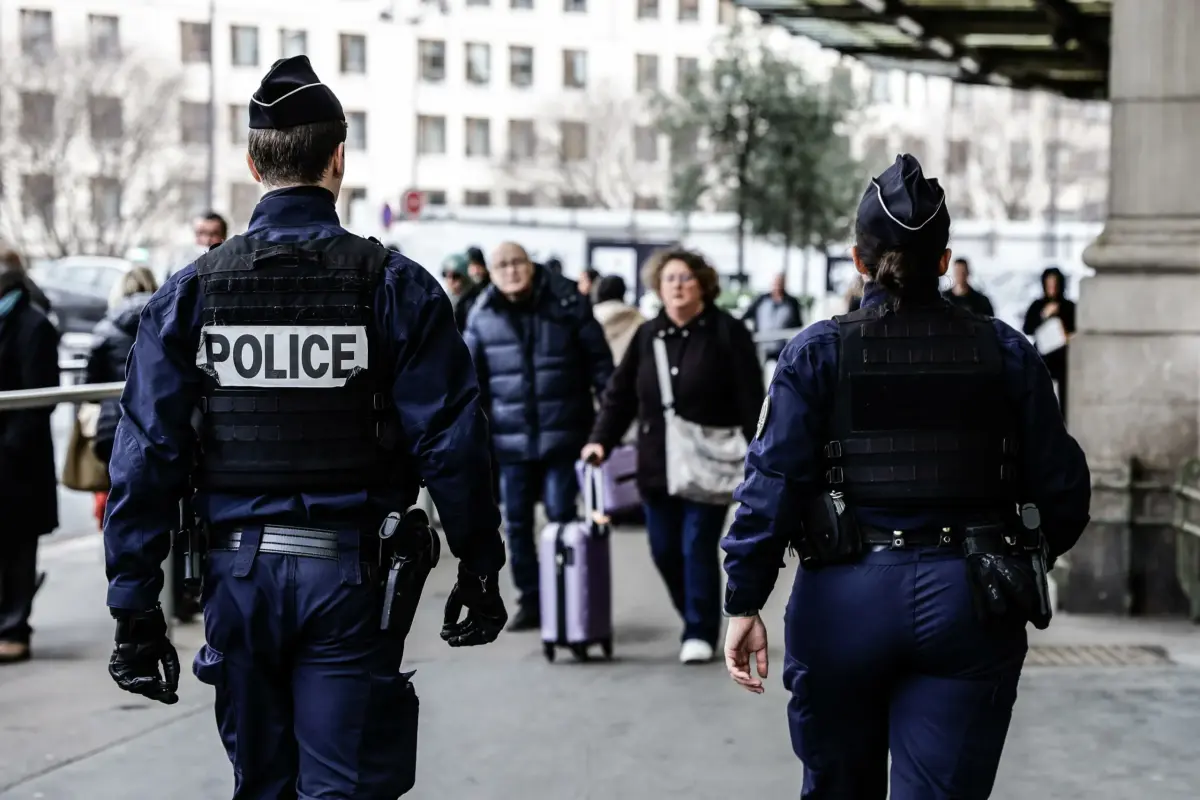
{"type": "Point", "coordinates": [282, 356]}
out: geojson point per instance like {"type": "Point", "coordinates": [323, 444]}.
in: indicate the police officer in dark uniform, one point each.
{"type": "Point", "coordinates": [906, 451]}
{"type": "Point", "coordinates": [305, 381]}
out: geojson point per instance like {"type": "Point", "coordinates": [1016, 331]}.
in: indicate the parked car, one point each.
{"type": "Point", "coordinates": [78, 288]}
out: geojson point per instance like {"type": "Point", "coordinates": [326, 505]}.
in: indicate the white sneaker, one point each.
{"type": "Point", "coordinates": [695, 651]}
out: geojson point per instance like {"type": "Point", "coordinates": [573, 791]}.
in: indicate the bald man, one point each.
{"type": "Point", "coordinates": [542, 360]}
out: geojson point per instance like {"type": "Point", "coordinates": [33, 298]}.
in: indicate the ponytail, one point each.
{"type": "Point", "coordinates": [906, 277]}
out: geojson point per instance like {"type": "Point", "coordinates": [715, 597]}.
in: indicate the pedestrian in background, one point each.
{"type": "Point", "coordinates": [587, 282]}
{"type": "Point", "coordinates": [964, 295]}
{"type": "Point", "coordinates": [477, 269]}
{"type": "Point", "coordinates": [28, 483]}
{"type": "Point", "coordinates": [717, 381]}
{"type": "Point", "coordinates": [619, 320]}
{"type": "Point", "coordinates": [542, 360]}
{"type": "Point", "coordinates": [775, 310]}
{"type": "Point", "coordinates": [1051, 321]}
{"type": "Point", "coordinates": [210, 230]}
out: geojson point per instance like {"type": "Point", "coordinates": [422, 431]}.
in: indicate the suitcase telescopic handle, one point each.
{"type": "Point", "coordinates": [593, 491]}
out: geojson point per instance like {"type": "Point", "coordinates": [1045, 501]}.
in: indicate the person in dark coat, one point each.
{"type": "Point", "coordinates": [542, 360]}
{"type": "Point", "coordinates": [717, 381]}
{"type": "Point", "coordinates": [28, 483]}
{"type": "Point", "coordinates": [966, 296]}
{"type": "Point", "coordinates": [477, 269]}
{"type": "Point", "coordinates": [1050, 305]}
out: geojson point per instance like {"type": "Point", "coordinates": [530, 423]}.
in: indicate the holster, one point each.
{"type": "Point", "coordinates": [1016, 541]}
{"type": "Point", "coordinates": [189, 540]}
{"type": "Point", "coordinates": [411, 549]}
{"type": "Point", "coordinates": [829, 533]}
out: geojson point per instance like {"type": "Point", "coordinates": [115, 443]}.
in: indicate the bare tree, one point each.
{"type": "Point", "coordinates": [586, 155]}
{"type": "Point", "coordinates": [994, 154]}
{"type": "Point", "coordinates": [91, 155]}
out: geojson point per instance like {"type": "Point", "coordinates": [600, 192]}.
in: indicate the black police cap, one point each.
{"type": "Point", "coordinates": [902, 206]}
{"type": "Point", "coordinates": [291, 94]}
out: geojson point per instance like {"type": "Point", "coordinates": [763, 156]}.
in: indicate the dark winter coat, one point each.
{"type": "Point", "coordinates": [106, 364]}
{"type": "Point", "coordinates": [462, 309]}
{"type": "Point", "coordinates": [717, 381]}
{"type": "Point", "coordinates": [541, 362]}
{"type": "Point", "coordinates": [28, 360]}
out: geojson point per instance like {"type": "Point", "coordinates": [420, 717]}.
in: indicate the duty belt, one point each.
{"type": "Point", "coordinates": [285, 540]}
{"type": "Point", "coordinates": [920, 537]}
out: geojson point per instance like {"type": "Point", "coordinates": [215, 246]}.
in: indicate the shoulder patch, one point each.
{"type": "Point", "coordinates": [763, 414]}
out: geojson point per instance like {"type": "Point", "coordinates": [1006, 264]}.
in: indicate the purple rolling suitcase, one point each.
{"type": "Point", "coordinates": [575, 566]}
{"type": "Point", "coordinates": [619, 476]}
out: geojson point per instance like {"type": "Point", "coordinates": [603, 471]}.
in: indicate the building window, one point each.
{"type": "Point", "coordinates": [647, 73]}
{"type": "Point", "coordinates": [292, 43]}
{"type": "Point", "coordinates": [881, 87]}
{"type": "Point", "coordinates": [572, 200]}
{"type": "Point", "coordinates": [431, 136]}
{"type": "Point", "coordinates": [1020, 160]}
{"type": "Point", "coordinates": [479, 137]}
{"type": "Point", "coordinates": [432, 55]}
{"type": "Point", "coordinates": [645, 144]}
{"type": "Point", "coordinates": [574, 69]}
{"type": "Point", "coordinates": [644, 202]}
{"type": "Point", "coordinates": [106, 200]}
{"type": "Point", "coordinates": [522, 140]}
{"type": "Point", "coordinates": [689, 10]}
{"type": "Point", "coordinates": [520, 200]}
{"type": "Point", "coordinates": [521, 4]}
{"type": "Point", "coordinates": [479, 2]}
{"type": "Point", "coordinates": [194, 124]}
{"type": "Point", "coordinates": [244, 45]}
{"type": "Point", "coordinates": [1021, 100]}
{"type": "Point", "coordinates": [37, 115]}
{"type": "Point", "coordinates": [104, 118]}
{"type": "Point", "coordinates": [647, 9]}
{"type": "Point", "coordinates": [350, 204]}
{"type": "Point", "coordinates": [195, 42]}
{"type": "Point", "coordinates": [356, 130]}
{"type": "Point", "coordinates": [479, 63]}
{"type": "Point", "coordinates": [575, 6]}
{"type": "Point", "coordinates": [239, 123]}
{"type": "Point", "coordinates": [520, 70]}
{"type": "Point", "coordinates": [193, 197]}
{"type": "Point", "coordinates": [960, 150]}
{"type": "Point", "coordinates": [37, 196]}
{"type": "Point", "coordinates": [573, 136]}
{"type": "Point", "coordinates": [434, 197]}
{"type": "Point", "coordinates": [104, 36]}
{"type": "Point", "coordinates": [687, 73]}
{"type": "Point", "coordinates": [353, 54]}
{"type": "Point", "coordinates": [37, 33]}
{"type": "Point", "coordinates": [685, 144]}
{"type": "Point", "coordinates": [243, 197]}
{"type": "Point", "coordinates": [471, 198]}
{"type": "Point", "coordinates": [726, 12]}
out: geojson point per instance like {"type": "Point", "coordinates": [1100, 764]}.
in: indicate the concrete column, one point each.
{"type": "Point", "coordinates": [1135, 364]}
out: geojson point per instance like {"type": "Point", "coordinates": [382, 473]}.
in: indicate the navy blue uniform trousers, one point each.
{"type": "Point", "coordinates": [887, 654]}
{"type": "Point", "coordinates": [310, 700]}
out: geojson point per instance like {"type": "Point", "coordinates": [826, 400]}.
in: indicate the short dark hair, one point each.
{"type": "Point", "coordinates": [212, 216]}
{"type": "Point", "coordinates": [475, 256]}
{"type": "Point", "coordinates": [610, 287]}
{"type": "Point", "coordinates": [593, 274]}
{"type": "Point", "coordinates": [964, 262]}
{"type": "Point", "coordinates": [295, 156]}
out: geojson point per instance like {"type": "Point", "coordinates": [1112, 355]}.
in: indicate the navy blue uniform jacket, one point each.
{"type": "Point", "coordinates": [433, 387]}
{"type": "Point", "coordinates": [1054, 471]}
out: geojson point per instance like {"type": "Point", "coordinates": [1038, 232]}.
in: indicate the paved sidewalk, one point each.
{"type": "Point", "coordinates": [500, 723]}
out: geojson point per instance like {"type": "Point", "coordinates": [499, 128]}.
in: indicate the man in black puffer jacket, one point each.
{"type": "Point", "coordinates": [542, 360]}
{"type": "Point", "coordinates": [114, 337]}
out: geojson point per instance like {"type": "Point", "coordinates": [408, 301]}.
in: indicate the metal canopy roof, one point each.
{"type": "Point", "coordinates": [1061, 46]}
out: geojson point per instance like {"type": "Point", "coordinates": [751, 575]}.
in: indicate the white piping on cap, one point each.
{"type": "Point", "coordinates": [883, 205]}
{"type": "Point", "coordinates": [292, 92]}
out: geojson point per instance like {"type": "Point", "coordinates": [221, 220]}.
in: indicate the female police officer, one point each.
{"type": "Point", "coordinates": [892, 451]}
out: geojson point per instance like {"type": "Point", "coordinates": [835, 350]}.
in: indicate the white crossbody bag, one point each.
{"type": "Point", "coordinates": [704, 463]}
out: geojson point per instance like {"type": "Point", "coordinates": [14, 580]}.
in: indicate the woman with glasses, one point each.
{"type": "Point", "coordinates": [716, 381]}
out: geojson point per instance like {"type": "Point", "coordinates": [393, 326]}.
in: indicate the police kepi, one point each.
{"type": "Point", "coordinates": [293, 388]}
{"type": "Point", "coordinates": [894, 449]}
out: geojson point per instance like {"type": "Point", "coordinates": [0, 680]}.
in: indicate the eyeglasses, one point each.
{"type": "Point", "coordinates": [682, 278]}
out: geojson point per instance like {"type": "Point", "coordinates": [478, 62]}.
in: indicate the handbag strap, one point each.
{"type": "Point", "coordinates": [664, 374]}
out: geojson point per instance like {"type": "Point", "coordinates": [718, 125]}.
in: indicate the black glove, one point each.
{"type": "Point", "coordinates": [142, 645]}
{"type": "Point", "coordinates": [1004, 585]}
{"type": "Point", "coordinates": [486, 615]}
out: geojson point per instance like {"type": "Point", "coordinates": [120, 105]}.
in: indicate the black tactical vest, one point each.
{"type": "Point", "coordinates": [920, 414]}
{"type": "Point", "coordinates": [296, 394]}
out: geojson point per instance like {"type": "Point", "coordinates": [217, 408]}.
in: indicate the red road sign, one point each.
{"type": "Point", "coordinates": [414, 201]}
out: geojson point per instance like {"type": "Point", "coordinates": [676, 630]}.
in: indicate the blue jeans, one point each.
{"type": "Point", "coordinates": [521, 486]}
{"type": "Point", "coordinates": [887, 655]}
{"type": "Point", "coordinates": [684, 537]}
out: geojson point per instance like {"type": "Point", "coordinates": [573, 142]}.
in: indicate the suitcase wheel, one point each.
{"type": "Point", "coordinates": [606, 648]}
{"type": "Point", "coordinates": [580, 651]}
{"type": "Point", "coordinates": [548, 651]}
